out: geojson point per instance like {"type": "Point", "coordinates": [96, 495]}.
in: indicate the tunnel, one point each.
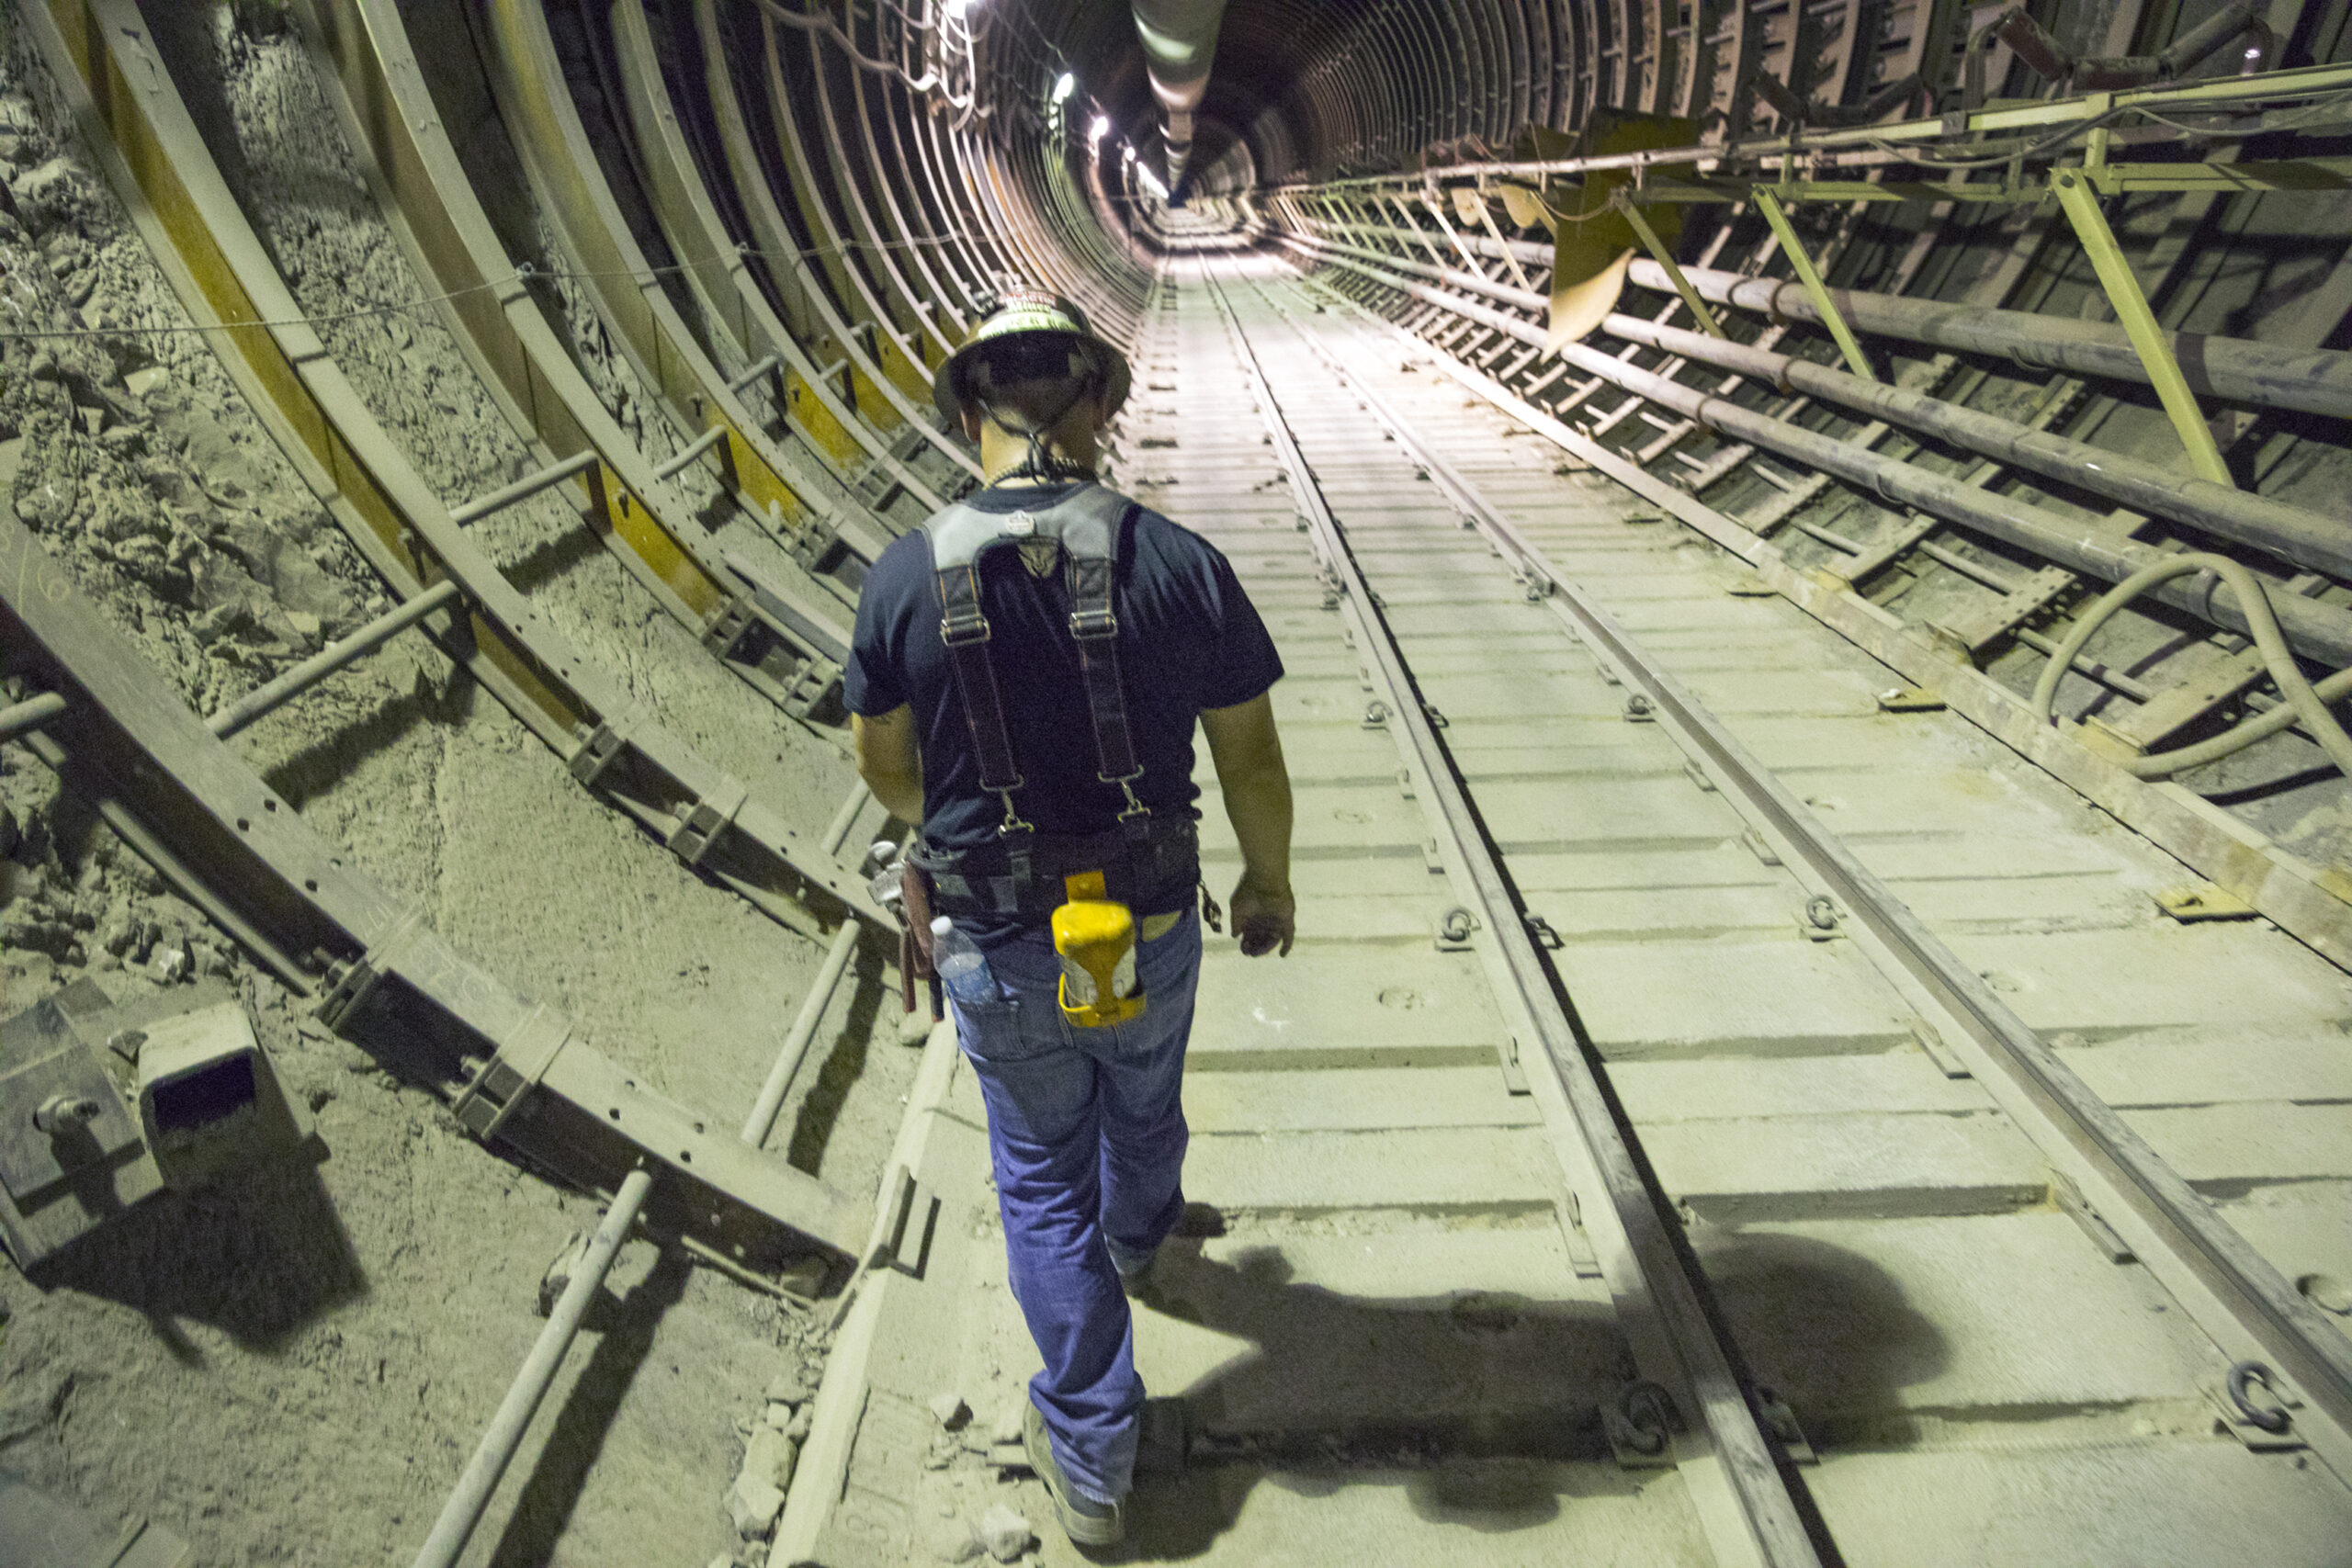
{"type": "Point", "coordinates": [1737, 612]}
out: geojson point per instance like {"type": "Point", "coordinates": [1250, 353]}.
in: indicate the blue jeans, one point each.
{"type": "Point", "coordinates": [1086, 1131]}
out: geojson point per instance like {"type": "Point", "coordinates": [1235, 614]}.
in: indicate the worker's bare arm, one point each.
{"type": "Point", "coordinates": [890, 759]}
{"type": "Point", "coordinates": [1248, 751]}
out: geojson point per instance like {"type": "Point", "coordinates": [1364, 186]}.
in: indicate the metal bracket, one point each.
{"type": "Point", "coordinates": [2188, 905]}
{"type": "Point", "coordinates": [1454, 929]}
{"type": "Point", "coordinates": [1910, 699]}
{"type": "Point", "coordinates": [2069, 1197]}
{"type": "Point", "coordinates": [1640, 1424]}
{"type": "Point", "coordinates": [700, 827]}
{"type": "Point", "coordinates": [604, 746]}
{"type": "Point", "coordinates": [1783, 1423]}
{"type": "Point", "coordinates": [2079, 201]}
{"type": "Point", "coordinates": [522, 1059]}
{"type": "Point", "coordinates": [352, 984]}
{"type": "Point", "coordinates": [1665, 259]}
{"type": "Point", "coordinates": [1777, 216]}
{"type": "Point", "coordinates": [728, 624]}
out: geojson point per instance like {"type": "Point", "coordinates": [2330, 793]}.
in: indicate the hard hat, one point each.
{"type": "Point", "coordinates": [1046, 321]}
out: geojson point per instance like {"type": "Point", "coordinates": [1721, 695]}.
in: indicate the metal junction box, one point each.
{"type": "Point", "coordinates": [102, 1106]}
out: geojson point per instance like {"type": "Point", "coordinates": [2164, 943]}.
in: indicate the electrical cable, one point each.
{"type": "Point", "coordinates": [2303, 701]}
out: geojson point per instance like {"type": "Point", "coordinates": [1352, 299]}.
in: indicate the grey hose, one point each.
{"type": "Point", "coordinates": [2303, 701]}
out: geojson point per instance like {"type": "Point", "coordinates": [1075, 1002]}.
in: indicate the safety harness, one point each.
{"type": "Point", "coordinates": [1145, 858]}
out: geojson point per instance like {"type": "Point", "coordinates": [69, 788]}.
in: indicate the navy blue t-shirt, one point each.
{"type": "Point", "coordinates": [1189, 639]}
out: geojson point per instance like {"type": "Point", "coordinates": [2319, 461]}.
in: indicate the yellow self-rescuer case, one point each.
{"type": "Point", "coordinates": [1097, 940]}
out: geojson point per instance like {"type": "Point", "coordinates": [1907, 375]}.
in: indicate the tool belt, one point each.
{"type": "Point", "coordinates": [1151, 871]}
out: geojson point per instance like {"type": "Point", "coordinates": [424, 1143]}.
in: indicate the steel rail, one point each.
{"type": "Point", "coordinates": [185, 802]}
{"type": "Point", "coordinates": [2302, 898]}
{"type": "Point", "coordinates": [1667, 1322]}
{"type": "Point", "coordinates": [576, 201]}
{"type": "Point", "coordinates": [896, 381]}
{"type": "Point", "coordinates": [2233, 1293]}
{"type": "Point", "coordinates": [151, 153]}
{"type": "Point", "coordinates": [841, 429]}
{"type": "Point", "coordinates": [743, 325]}
{"type": "Point", "coordinates": [732, 305]}
{"type": "Point", "coordinates": [421, 189]}
{"type": "Point", "coordinates": [2320, 631]}
{"type": "Point", "coordinates": [851, 182]}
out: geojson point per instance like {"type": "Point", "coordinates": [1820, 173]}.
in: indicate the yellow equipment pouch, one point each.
{"type": "Point", "coordinates": [1096, 939]}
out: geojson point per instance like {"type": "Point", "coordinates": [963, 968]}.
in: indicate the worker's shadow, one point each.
{"type": "Point", "coordinates": [1481, 1410]}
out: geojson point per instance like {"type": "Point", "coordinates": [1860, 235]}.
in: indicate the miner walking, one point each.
{"type": "Point", "coordinates": [1027, 671]}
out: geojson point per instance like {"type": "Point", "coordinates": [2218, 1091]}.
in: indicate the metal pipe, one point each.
{"type": "Point", "coordinates": [2232, 369]}
{"type": "Point", "coordinates": [687, 455]}
{"type": "Point", "coordinates": [30, 713]}
{"type": "Point", "coordinates": [1179, 40]}
{"type": "Point", "coordinates": [837, 831]}
{"type": "Point", "coordinates": [2316, 380]}
{"type": "Point", "coordinates": [2320, 631]}
{"type": "Point", "coordinates": [789, 1055]}
{"type": "Point", "coordinates": [754, 372]}
{"type": "Point", "coordinates": [2306, 538]}
{"type": "Point", "coordinates": [327, 661]}
{"type": "Point", "coordinates": [522, 489]}
{"type": "Point", "coordinates": [463, 1510]}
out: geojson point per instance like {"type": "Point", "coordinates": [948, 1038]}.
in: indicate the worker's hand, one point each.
{"type": "Point", "coordinates": [1265, 920]}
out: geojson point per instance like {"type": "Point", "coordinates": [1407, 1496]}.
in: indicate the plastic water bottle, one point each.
{"type": "Point", "coordinates": [963, 969]}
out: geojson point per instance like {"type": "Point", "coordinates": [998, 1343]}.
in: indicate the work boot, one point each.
{"type": "Point", "coordinates": [1135, 1281]}
{"type": "Point", "coordinates": [1084, 1520]}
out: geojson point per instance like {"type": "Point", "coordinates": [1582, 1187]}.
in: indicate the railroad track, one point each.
{"type": "Point", "coordinates": [1621, 1166]}
{"type": "Point", "coordinates": [1628, 1165]}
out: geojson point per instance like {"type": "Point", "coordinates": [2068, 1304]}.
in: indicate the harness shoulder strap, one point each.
{"type": "Point", "coordinates": [957, 537]}
{"type": "Point", "coordinates": [1091, 524]}
{"type": "Point", "coordinates": [1087, 526]}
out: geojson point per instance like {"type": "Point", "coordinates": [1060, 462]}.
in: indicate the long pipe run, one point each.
{"type": "Point", "coordinates": [2232, 369]}
{"type": "Point", "coordinates": [2307, 539]}
{"type": "Point", "coordinates": [2320, 631]}
{"type": "Point", "coordinates": [2316, 380]}
{"type": "Point", "coordinates": [472, 1495]}
{"type": "Point", "coordinates": [1178, 40]}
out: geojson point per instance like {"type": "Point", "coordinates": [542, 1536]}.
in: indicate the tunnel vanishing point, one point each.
{"type": "Point", "coordinates": [1811, 548]}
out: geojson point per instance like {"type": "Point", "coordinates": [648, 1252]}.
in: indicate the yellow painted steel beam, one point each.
{"type": "Point", "coordinates": [717, 271]}
{"type": "Point", "coordinates": [426, 195]}
{"type": "Point", "coordinates": [827, 418]}
{"type": "Point", "coordinates": [226, 279]}
{"type": "Point", "coordinates": [2079, 201]}
{"type": "Point", "coordinates": [1808, 274]}
{"type": "Point", "coordinates": [1664, 258]}
{"type": "Point", "coordinates": [526, 78]}
{"type": "Point", "coordinates": [157, 161]}
{"type": "Point", "coordinates": [885, 375]}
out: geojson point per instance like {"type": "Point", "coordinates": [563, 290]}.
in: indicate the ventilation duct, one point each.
{"type": "Point", "coordinates": [1179, 41]}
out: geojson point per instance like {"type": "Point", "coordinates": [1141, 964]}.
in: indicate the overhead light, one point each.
{"type": "Point", "coordinates": [1101, 128]}
{"type": "Point", "coordinates": [955, 8]}
{"type": "Point", "coordinates": [1064, 86]}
